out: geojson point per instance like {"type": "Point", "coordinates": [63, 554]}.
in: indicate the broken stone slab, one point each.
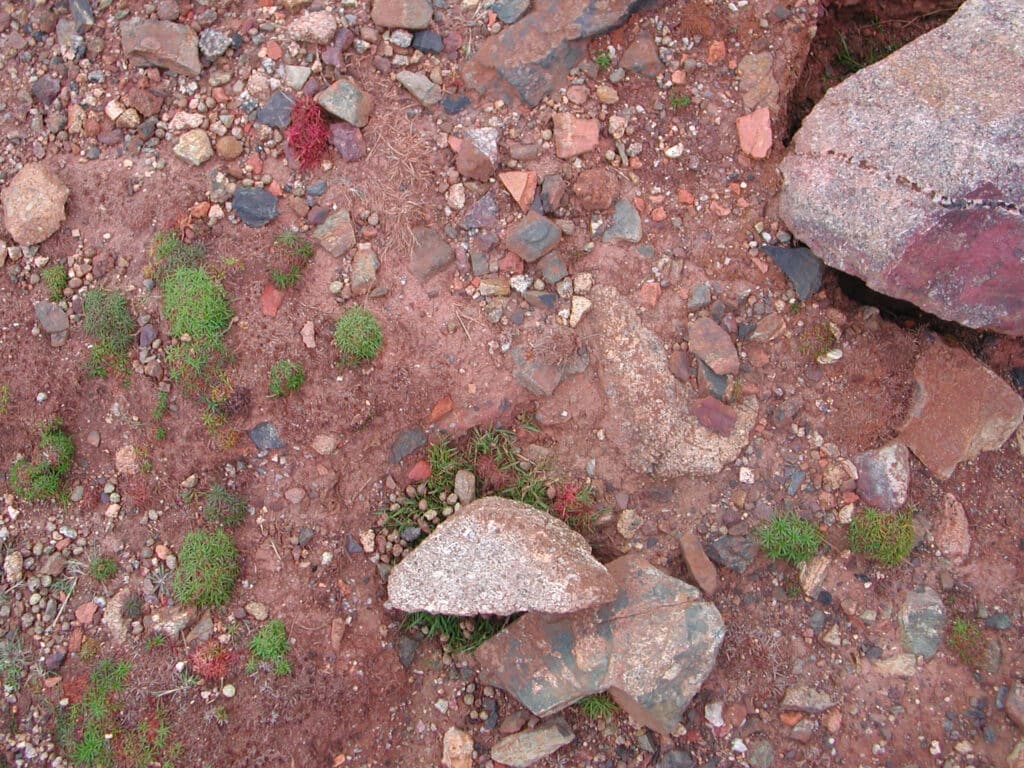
{"type": "Point", "coordinates": [533, 237]}
{"type": "Point", "coordinates": [922, 618]}
{"type": "Point", "coordinates": [651, 648]}
{"type": "Point", "coordinates": [648, 417]}
{"type": "Point", "coordinates": [165, 44]}
{"type": "Point", "coordinates": [574, 135]}
{"type": "Point", "coordinates": [422, 88]}
{"type": "Point", "coordinates": [699, 564]}
{"type": "Point", "coordinates": [33, 203]}
{"type": "Point", "coordinates": [951, 533]}
{"type": "Point", "coordinates": [945, 426]}
{"type": "Point", "coordinates": [878, 184]}
{"type": "Point", "coordinates": [532, 57]}
{"type": "Point", "coordinates": [754, 131]}
{"type": "Point", "coordinates": [336, 235]}
{"type": "Point", "coordinates": [521, 750]}
{"type": "Point", "coordinates": [883, 476]}
{"type": "Point", "coordinates": [499, 556]}
{"type": "Point", "coordinates": [712, 344]}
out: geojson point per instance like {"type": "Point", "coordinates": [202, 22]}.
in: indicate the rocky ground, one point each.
{"type": "Point", "coordinates": [566, 223]}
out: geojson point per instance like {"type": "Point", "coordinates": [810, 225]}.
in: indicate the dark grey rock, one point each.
{"type": "Point", "coordinates": [51, 318]}
{"type": "Point", "coordinates": [481, 214]}
{"type": "Point", "coordinates": [453, 104]}
{"type": "Point", "coordinates": [922, 618]}
{"type": "Point", "coordinates": [410, 534]}
{"type": "Point", "coordinates": [1000, 621]}
{"type": "Point", "coordinates": [213, 44]}
{"type": "Point", "coordinates": [266, 437]}
{"type": "Point", "coordinates": [407, 647]}
{"type": "Point", "coordinates": [801, 266]}
{"type": "Point", "coordinates": [733, 552]}
{"type": "Point", "coordinates": [510, 11]}
{"type": "Point", "coordinates": [408, 440]}
{"type": "Point", "coordinates": [81, 12]}
{"type": "Point", "coordinates": [254, 206]}
{"type": "Point", "coordinates": [277, 112]}
{"type": "Point", "coordinates": [427, 40]}
{"type": "Point", "coordinates": [533, 237]}
{"type": "Point", "coordinates": [717, 384]}
{"type": "Point", "coordinates": [625, 226]}
{"type": "Point", "coordinates": [676, 758]}
{"type": "Point", "coordinates": [553, 269]}
{"type": "Point", "coordinates": [54, 661]}
{"type": "Point", "coordinates": [45, 89]}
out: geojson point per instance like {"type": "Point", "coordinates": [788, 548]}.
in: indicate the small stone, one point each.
{"type": "Point", "coordinates": [86, 612]}
{"type": "Point", "coordinates": [457, 749]}
{"type": "Point", "coordinates": [271, 300]}
{"type": "Point", "coordinates": [422, 88]}
{"type": "Point", "coordinates": [521, 185]}
{"type": "Point", "coordinates": [578, 307]}
{"type": "Point", "coordinates": [13, 567]}
{"type": "Point", "coordinates": [348, 141]}
{"type": "Point", "coordinates": [951, 533]}
{"type": "Point", "coordinates": [33, 204]}
{"type": "Point", "coordinates": [316, 27]}
{"type": "Point", "coordinates": [228, 691]}
{"type": "Point", "coordinates": [266, 437]}
{"type": "Point", "coordinates": [733, 552]}
{"type": "Point", "coordinates": [712, 344]}
{"type": "Point", "coordinates": [407, 441]}
{"type": "Point", "coordinates": [162, 44]}
{"type": "Point", "coordinates": [428, 41]}
{"type": "Point", "coordinates": [402, 14]}
{"type": "Point", "coordinates": [595, 189]}
{"type": "Point", "coordinates": [803, 698]}
{"type": "Point", "coordinates": [642, 57]}
{"type": "Point", "coordinates": [801, 266]}
{"type": "Point", "coordinates": [228, 148]}
{"type": "Point", "coordinates": [574, 135]}
{"type": "Point", "coordinates": [523, 749]}
{"type": "Point", "coordinates": [533, 237]}
{"type": "Point", "coordinates": [258, 611]}
{"type": "Point", "coordinates": [254, 206]}
{"type": "Point", "coordinates": [883, 476]}
{"type": "Point", "coordinates": [194, 147]}
{"type": "Point", "coordinates": [364, 271]}
{"type": "Point", "coordinates": [755, 133]}
{"type": "Point", "coordinates": [510, 11]}
{"type": "Point", "coordinates": [900, 665]}
{"type": "Point", "coordinates": [923, 619]}
{"type": "Point", "coordinates": [465, 486]}
{"type": "Point", "coordinates": [699, 564]}
{"type": "Point", "coordinates": [50, 318]}
{"type": "Point", "coordinates": [431, 254]}
{"type": "Point", "coordinates": [213, 44]}
{"type": "Point", "coordinates": [346, 100]}
{"type": "Point", "coordinates": [336, 235]}
{"type": "Point", "coordinates": [277, 112]}
{"type": "Point", "coordinates": [625, 226]}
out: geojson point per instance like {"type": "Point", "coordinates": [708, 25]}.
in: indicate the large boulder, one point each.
{"type": "Point", "coordinates": [959, 409]}
{"type": "Point", "coordinates": [532, 57]}
{"type": "Point", "coordinates": [910, 175]}
{"type": "Point", "coordinates": [33, 204]}
{"type": "Point", "coordinates": [651, 648]}
{"type": "Point", "coordinates": [652, 420]}
{"type": "Point", "coordinates": [498, 556]}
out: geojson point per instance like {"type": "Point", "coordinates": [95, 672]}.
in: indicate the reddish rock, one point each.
{"type": "Point", "coordinates": [86, 612]}
{"type": "Point", "coordinates": [402, 14]}
{"type": "Point", "coordinates": [877, 183]}
{"type": "Point", "coordinates": [348, 140]}
{"type": "Point", "coordinates": [642, 57]}
{"type": "Point", "coordinates": [883, 476]}
{"type": "Point", "coordinates": [431, 254]}
{"type": "Point", "coordinates": [712, 344]}
{"type": "Point", "coordinates": [33, 204]}
{"type": "Point", "coordinates": [472, 163]}
{"type": "Point", "coordinates": [651, 647]}
{"type": "Point", "coordinates": [713, 414]}
{"type": "Point", "coordinates": [944, 427]}
{"type": "Point", "coordinates": [420, 471]}
{"type": "Point", "coordinates": [441, 408]}
{"type": "Point", "coordinates": [649, 294]}
{"type": "Point", "coordinates": [521, 185]}
{"type": "Point", "coordinates": [755, 133]}
{"type": "Point", "coordinates": [952, 533]}
{"type": "Point", "coordinates": [595, 189]}
{"type": "Point", "coordinates": [163, 44]}
{"type": "Point", "coordinates": [701, 569]}
{"type": "Point", "coordinates": [575, 135]}
{"type": "Point", "coordinates": [336, 235]}
{"type": "Point", "coordinates": [716, 52]}
{"type": "Point", "coordinates": [270, 300]}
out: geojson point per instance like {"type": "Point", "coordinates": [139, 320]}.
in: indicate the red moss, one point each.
{"type": "Point", "coordinates": [570, 509]}
{"type": "Point", "coordinates": [211, 660]}
{"type": "Point", "coordinates": [308, 133]}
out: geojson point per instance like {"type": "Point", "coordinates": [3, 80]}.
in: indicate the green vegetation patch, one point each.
{"type": "Point", "coordinates": [223, 507]}
{"type": "Point", "coordinates": [103, 568]}
{"type": "Point", "coordinates": [358, 336]}
{"type": "Point", "coordinates": [457, 634]}
{"type": "Point", "coordinates": [290, 256]}
{"type": "Point", "coordinates": [168, 252]}
{"type": "Point", "coordinates": [55, 278]}
{"type": "Point", "coordinates": [196, 304]}
{"type": "Point", "coordinates": [884, 537]}
{"type": "Point", "coordinates": [83, 729]}
{"type": "Point", "coordinates": [46, 478]}
{"type": "Point", "coordinates": [270, 645]}
{"type": "Point", "coordinates": [787, 536]}
{"type": "Point", "coordinates": [207, 569]}
{"type": "Point", "coordinates": [13, 663]}
{"type": "Point", "coordinates": [107, 319]}
{"type": "Point", "coordinates": [597, 706]}
{"type": "Point", "coordinates": [967, 641]}
{"type": "Point", "coordinates": [286, 376]}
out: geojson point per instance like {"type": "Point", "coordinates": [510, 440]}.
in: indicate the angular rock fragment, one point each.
{"type": "Point", "coordinates": [498, 556]}
{"type": "Point", "coordinates": [166, 44]}
{"type": "Point", "coordinates": [651, 648]}
{"type": "Point", "coordinates": [33, 204]}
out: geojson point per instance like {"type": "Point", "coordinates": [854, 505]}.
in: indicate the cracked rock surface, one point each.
{"type": "Point", "coordinates": [899, 178]}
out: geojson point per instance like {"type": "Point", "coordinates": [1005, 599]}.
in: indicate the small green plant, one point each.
{"type": "Point", "coordinates": [155, 641]}
{"type": "Point", "coordinates": [55, 278]}
{"type": "Point", "coordinates": [966, 640]}
{"type": "Point", "coordinates": [270, 644]}
{"type": "Point", "coordinates": [103, 568]}
{"type": "Point", "coordinates": [457, 634]}
{"type": "Point", "coordinates": [597, 706]}
{"type": "Point", "coordinates": [168, 252]}
{"type": "Point", "coordinates": [286, 376]}
{"type": "Point", "coordinates": [817, 339]}
{"type": "Point", "coordinates": [13, 662]}
{"type": "Point", "coordinates": [160, 408]}
{"type": "Point", "coordinates": [358, 336]}
{"type": "Point", "coordinates": [46, 478]}
{"type": "Point", "coordinates": [603, 59]}
{"type": "Point", "coordinates": [291, 255]}
{"type": "Point", "coordinates": [207, 569]}
{"type": "Point", "coordinates": [196, 304]}
{"type": "Point", "coordinates": [884, 537]}
{"type": "Point", "coordinates": [107, 319]}
{"type": "Point", "coordinates": [5, 399]}
{"type": "Point", "coordinates": [86, 729]}
{"type": "Point", "coordinates": [787, 536]}
{"type": "Point", "coordinates": [223, 507]}
{"type": "Point", "coordinates": [150, 742]}
{"type": "Point", "coordinates": [678, 101]}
